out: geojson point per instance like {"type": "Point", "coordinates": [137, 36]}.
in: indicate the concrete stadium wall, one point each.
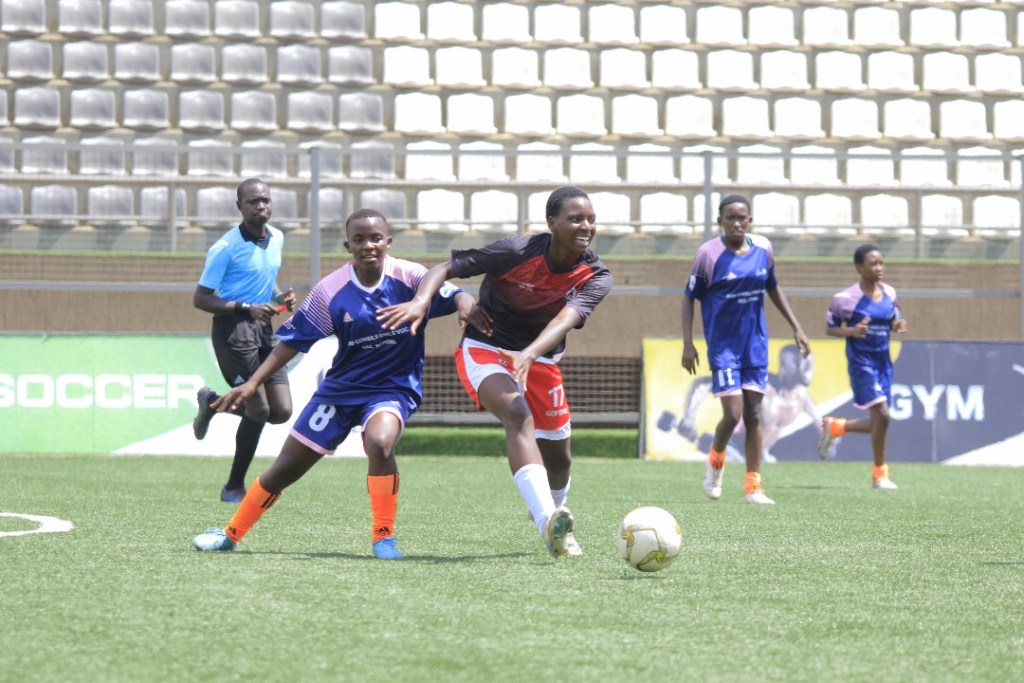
{"type": "Point", "coordinates": [614, 331]}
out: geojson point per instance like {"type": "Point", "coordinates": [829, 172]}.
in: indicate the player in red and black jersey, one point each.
{"type": "Point", "coordinates": [536, 288]}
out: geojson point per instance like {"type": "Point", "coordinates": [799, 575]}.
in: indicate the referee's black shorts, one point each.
{"type": "Point", "coordinates": [241, 345]}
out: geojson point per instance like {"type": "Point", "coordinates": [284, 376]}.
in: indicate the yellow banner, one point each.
{"type": "Point", "coordinates": [679, 412]}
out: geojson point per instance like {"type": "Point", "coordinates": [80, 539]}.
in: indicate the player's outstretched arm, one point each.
{"type": "Point", "coordinates": [779, 299]}
{"type": "Point", "coordinates": [690, 358]}
{"type": "Point", "coordinates": [415, 310]}
{"type": "Point", "coordinates": [567, 319]}
{"type": "Point", "coordinates": [234, 398]}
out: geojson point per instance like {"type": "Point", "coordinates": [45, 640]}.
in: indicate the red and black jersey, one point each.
{"type": "Point", "coordinates": [523, 290]}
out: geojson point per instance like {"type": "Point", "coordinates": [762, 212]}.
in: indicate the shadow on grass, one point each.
{"type": "Point", "coordinates": [430, 559]}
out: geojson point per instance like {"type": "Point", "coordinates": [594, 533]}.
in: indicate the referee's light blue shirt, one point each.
{"type": "Point", "coordinates": [238, 269]}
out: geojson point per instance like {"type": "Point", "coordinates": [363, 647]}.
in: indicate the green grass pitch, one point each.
{"type": "Point", "coordinates": [834, 583]}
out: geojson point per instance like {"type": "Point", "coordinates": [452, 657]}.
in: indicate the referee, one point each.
{"type": "Point", "coordinates": [239, 288]}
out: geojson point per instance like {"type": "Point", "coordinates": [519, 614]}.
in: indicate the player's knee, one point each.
{"type": "Point", "coordinates": [516, 414]}
{"type": "Point", "coordinates": [279, 415]}
{"type": "Point", "coordinates": [730, 418]}
{"type": "Point", "coordinates": [257, 412]}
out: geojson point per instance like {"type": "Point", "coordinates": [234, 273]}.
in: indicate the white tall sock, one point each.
{"type": "Point", "coordinates": [532, 481]}
{"type": "Point", "coordinates": [561, 494]}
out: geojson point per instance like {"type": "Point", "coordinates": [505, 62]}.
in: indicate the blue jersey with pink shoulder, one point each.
{"type": "Point", "coordinates": [731, 289]}
{"type": "Point", "coordinates": [852, 305]}
{"type": "Point", "coordinates": [370, 360]}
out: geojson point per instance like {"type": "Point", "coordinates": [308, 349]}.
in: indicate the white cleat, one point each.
{"type": "Point", "coordinates": [826, 439]}
{"type": "Point", "coordinates": [557, 530]}
{"type": "Point", "coordinates": [713, 480]}
{"type": "Point", "coordinates": [572, 548]}
{"type": "Point", "coordinates": [885, 484]}
{"type": "Point", "coordinates": [759, 498]}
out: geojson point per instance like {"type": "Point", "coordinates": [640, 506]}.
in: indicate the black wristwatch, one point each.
{"type": "Point", "coordinates": [242, 307]}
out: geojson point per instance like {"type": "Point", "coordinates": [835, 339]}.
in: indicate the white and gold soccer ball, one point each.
{"type": "Point", "coordinates": [649, 538]}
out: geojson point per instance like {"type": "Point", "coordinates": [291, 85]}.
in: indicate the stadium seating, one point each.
{"type": "Point", "coordinates": [29, 60]}
{"type": "Point", "coordinates": [244, 64]}
{"type": "Point", "coordinates": [86, 62]}
{"type": "Point", "coordinates": [145, 109]}
{"type": "Point", "coordinates": [23, 17]}
{"type": "Point", "coordinates": [37, 107]}
{"type": "Point", "coordinates": [236, 18]}
{"type": "Point", "coordinates": [130, 18]}
{"type": "Point", "coordinates": [187, 18]}
{"type": "Point", "coordinates": [79, 17]}
{"type": "Point", "coordinates": [92, 108]}
{"type": "Point", "coordinates": [105, 161]}
{"type": "Point", "coordinates": [663, 24]}
{"type": "Point", "coordinates": [246, 86]}
{"type": "Point", "coordinates": [420, 165]}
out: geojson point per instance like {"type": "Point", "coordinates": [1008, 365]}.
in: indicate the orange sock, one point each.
{"type": "Point", "coordinates": [716, 459]}
{"type": "Point", "coordinates": [837, 427]}
{"type": "Point", "coordinates": [752, 482]}
{"type": "Point", "coordinates": [257, 501]}
{"type": "Point", "coordinates": [879, 472]}
{"type": "Point", "coordinates": [383, 504]}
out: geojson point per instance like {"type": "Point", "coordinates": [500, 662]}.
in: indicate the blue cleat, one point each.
{"type": "Point", "coordinates": [213, 539]}
{"type": "Point", "coordinates": [386, 549]}
{"type": "Point", "coordinates": [232, 495]}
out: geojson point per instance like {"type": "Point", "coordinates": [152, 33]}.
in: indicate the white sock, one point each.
{"type": "Point", "coordinates": [561, 494]}
{"type": "Point", "coordinates": [532, 481]}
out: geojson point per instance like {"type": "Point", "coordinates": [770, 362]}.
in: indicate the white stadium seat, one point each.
{"type": "Point", "coordinates": [612, 25]}
{"type": "Point", "coordinates": [760, 164]}
{"type": "Point", "coordinates": [730, 70]}
{"type": "Point", "coordinates": [663, 25]}
{"type": "Point", "coordinates": [480, 166]}
{"type": "Point", "coordinates": [826, 26]}
{"type": "Point", "coordinates": [923, 166]}
{"type": "Point", "coordinates": [877, 169]}
{"type": "Point", "coordinates": [784, 70]}
{"type": "Point", "coordinates": [557, 23]}
{"type": "Point", "coordinates": [813, 165]}
{"type": "Point", "coordinates": [593, 167]}
{"type": "Point", "coordinates": [539, 161]}
{"type": "Point", "coordinates": [771, 25]}
{"type": "Point", "coordinates": [244, 64]}
{"type": "Point", "coordinates": [86, 61]}
{"type": "Point", "coordinates": [342, 20]}
{"type": "Point", "coordinates": [877, 27]}
{"type": "Point", "coordinates": [372, 159]}
{"type": "Point", "coordinates": [429, 161]}
{"type": "Point", "coordinates": [418, 113]}
{"type": "Point", "coordinates": [719, 25]}
{"type": "Point", "coordinates": [798, 117]}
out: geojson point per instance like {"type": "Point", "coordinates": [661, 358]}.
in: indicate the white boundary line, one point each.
{"type": "Point", "coordinates": [46, 524]}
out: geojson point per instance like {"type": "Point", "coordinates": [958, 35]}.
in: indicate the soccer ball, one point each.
{"type": "Point", "coordinates": [649, 539]}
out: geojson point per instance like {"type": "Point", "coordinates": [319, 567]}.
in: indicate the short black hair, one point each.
{"type": "Point", "coordinates": [248, 182]}
{"type": "Point", "coordinates": [365, 213]}
{"type": "Point", "coordinates": [732, 199]}
{"type": "Point", "coordinates": [558, 197]}
{"type": "Point", "coordinates": [862, 251]}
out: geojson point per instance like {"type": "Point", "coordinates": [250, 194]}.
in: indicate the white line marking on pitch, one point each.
{"type": "Point", "coordinates": [1018, 368]}
{"type": "Point", "coordinates": [46, 524]}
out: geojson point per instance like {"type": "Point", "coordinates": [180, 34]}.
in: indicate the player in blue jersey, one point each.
{"type": "Point", "coordinates": [373, 381]}
{"type": "Point", "coordinates": [536, 288]}
{"type": "Point", "coordinates": [239, 287]}
{"type": "Point", "coordinates": [731, 274]}
{"type": "Point", "coordinates": [865, 313]}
